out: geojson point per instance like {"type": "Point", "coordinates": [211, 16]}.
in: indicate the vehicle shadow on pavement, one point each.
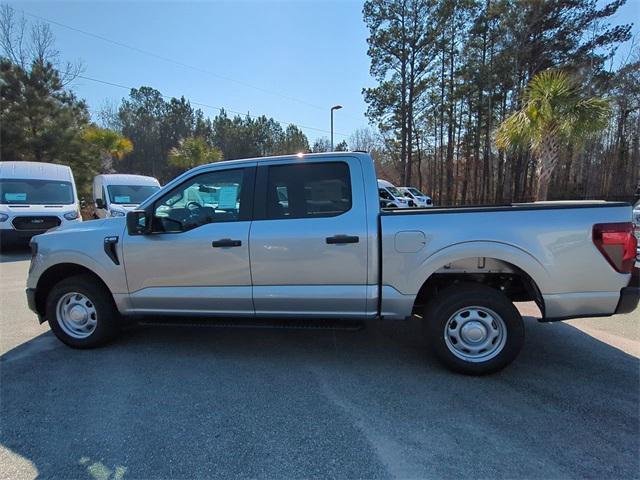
{"type": "Point", "coordinates": [194, 402]}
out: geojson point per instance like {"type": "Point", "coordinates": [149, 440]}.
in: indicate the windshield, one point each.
{"type": "Point", "coordinates": [35, 192]}
{"type": "Point", "coordinates": [130, 194]}
{"type": "Point", "coordinates": [416, 192]}
{"type": "Point", "coordinates": [395, 192]}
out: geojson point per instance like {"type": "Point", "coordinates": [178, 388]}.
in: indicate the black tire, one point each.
{"type": "Point", "coordinates": [107, 316]}
{"type": "Point", "coordinates": [455, 300]}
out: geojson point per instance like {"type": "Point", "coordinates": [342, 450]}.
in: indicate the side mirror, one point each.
{"type": "Point", "coordinates": [138, 222]}
{"type": "Point", "coordinates": [99, 203]}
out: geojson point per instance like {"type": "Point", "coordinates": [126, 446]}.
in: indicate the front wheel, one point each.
{"type": "Point", "coordinates": [474, 329]}
{"type": "Point", "coordinates": [81, 312]}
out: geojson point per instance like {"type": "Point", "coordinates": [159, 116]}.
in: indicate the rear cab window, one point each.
{"type": "Point", "coordinates": [308, 190]}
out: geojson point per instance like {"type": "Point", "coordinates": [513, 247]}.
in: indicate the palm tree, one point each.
{"type": "Point", "coordinates": [555, 113]}
{"type": "Point", "coordinates": [109, 143]}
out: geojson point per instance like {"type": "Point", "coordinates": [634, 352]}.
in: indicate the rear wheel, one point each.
{"type": "Point", "coordinates": [81, 313]}
{"type": "Point", "coordinates": [474, 329]}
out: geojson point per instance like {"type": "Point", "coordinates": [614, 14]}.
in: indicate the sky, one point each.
{"type": "Point", "coordinates": [290, 60]}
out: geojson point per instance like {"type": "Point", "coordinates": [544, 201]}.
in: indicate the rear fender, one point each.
{"type": "Point", "coordinates": [460, 251]}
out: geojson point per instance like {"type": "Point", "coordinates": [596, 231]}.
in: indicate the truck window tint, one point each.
{"type": "Point", "coordinates": [207, 198]}
{"type": "Point", "coordinates": [308, 190]}
{"type": "Point", "coordinates": [35, 192]}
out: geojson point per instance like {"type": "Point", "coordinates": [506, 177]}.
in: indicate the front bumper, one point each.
{"type": "Point", "coordinates": [31, 299]}
{"type": "Point", "coordinates": [31, 302]}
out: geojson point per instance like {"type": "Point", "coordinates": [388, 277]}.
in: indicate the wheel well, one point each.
{"type": "Point", "coordinates": [55, 274]}
{"type": "Point", "coordinates": [514, 282]}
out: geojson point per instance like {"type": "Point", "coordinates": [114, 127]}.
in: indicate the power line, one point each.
{"type": "Point", "coordinates": [213, 107]}
{"type": "Point", "coordinates": [171, 60]}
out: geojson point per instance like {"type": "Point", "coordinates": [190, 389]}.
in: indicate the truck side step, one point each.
{"type": "Point", "coordinates": [287, 324]}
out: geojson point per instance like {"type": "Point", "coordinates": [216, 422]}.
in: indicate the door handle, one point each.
{"type": "Point", "coordinates": [342, 239]}
{"type": "Point", "coordinates": [226, 242]}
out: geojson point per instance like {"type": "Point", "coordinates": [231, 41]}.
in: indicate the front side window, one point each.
{"type": "Point", "coordinates": [35, 192]}
{"type": "Point", "coordinates": [130, 194]}
{"type": "Point", "coordinates": [308, 190]}
{"type": "Point", "coordinates": [207, 198]}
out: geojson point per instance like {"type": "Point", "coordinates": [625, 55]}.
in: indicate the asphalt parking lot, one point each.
{"type": "Point", "coordinates": [192, 402]}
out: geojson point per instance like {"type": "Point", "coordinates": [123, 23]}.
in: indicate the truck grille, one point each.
{"type": "Point", "coordinates": [35, 223]}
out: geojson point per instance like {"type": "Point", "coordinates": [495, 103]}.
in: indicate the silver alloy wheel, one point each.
{"type": "Point", "coordinates": [475, 334]}
{"type": "Point", "coordinates": [76, 314]}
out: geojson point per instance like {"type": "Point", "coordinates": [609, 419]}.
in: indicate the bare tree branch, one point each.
{"type": "Point", "coordinates": [25, 46]}
{"type": "Point", "coordinates": [12, 33]}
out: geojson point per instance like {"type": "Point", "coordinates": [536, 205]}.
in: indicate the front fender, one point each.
{"type": "Point", "coordinates": [112, 275]}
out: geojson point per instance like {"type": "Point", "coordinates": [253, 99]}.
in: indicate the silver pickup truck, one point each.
{"type": "Point", "coordinates": [304, 236]}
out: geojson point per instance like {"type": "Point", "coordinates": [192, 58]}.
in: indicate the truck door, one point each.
{"type": "Point", "coordinates": [308, 240]}
{"type": "Point", "coordinates": [196, 260]}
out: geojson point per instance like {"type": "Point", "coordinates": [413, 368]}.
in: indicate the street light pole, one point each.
{"type": "Point", "coordinates": [335, 107]}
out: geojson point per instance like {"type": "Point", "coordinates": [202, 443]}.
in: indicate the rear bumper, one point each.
{"type": "Point", "coordinates": [630, 296]}
{"type": "Point", "coordinates": [593, 304]}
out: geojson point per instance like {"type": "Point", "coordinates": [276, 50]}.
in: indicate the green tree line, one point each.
{"type": "Point", "coordinates": [456, 111]}
{"type": "Point", "coordinates": [450, 72]}
{"type": "Point", "coordinates": [165, 132]}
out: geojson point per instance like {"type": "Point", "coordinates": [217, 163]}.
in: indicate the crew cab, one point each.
{"type": "Point", "coordinates": [304, 236]}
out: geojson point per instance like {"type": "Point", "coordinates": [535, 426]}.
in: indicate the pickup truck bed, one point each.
{"type": "Point", "coordinates": [548, 244]}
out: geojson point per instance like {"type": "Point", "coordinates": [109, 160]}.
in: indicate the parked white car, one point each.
{"type": "Point", "coordinates": [419, 198]}
{"type": "Point", "coordinates": [116, 194]}
{"type": "Point", "coordinates": [391, 197]}
{"type": "Point", "coordinates": [35, 197]}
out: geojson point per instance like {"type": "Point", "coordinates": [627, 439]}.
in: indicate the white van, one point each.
{"type": "Point", "coordinates": [419, 198]}
{"type": "Point", "coordinates": [391, 197]}
{"type": "Point", "coordinates": [35, 197]}
{"type": "Point", "coordinates": [115, 194]}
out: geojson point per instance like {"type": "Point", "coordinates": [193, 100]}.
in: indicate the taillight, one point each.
{"type": "Point", "coordinates": [617, 243]}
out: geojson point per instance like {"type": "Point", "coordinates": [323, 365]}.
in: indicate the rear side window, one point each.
{"type": "Point", "coordinates": [308, 190]}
